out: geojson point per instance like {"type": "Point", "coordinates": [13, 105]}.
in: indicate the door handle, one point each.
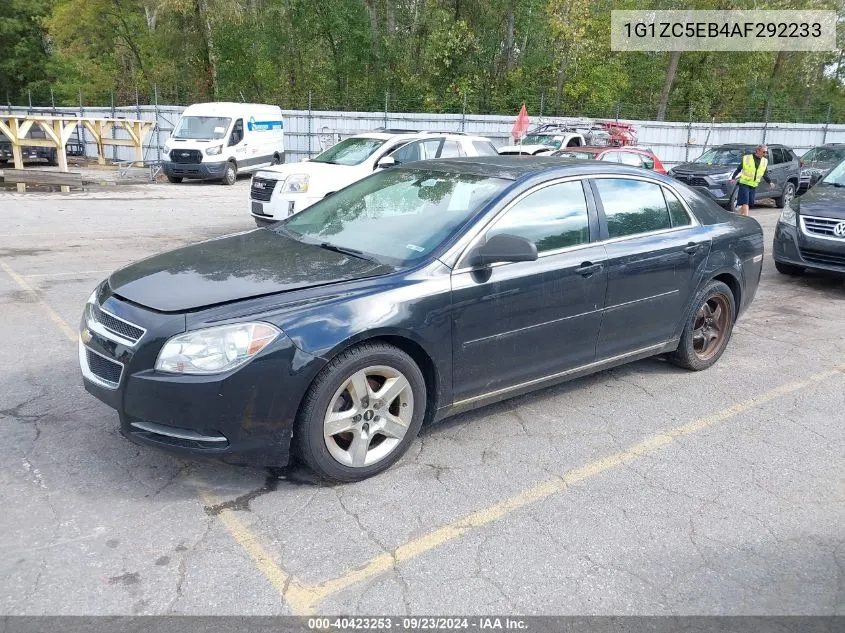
{"type": "Point", "coordinates": [692, 248]}
{"type": "Point", "coordinates": [588, 268]}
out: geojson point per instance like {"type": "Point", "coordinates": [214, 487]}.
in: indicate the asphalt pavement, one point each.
{"type": "Point", "coordinates": [643, 490]}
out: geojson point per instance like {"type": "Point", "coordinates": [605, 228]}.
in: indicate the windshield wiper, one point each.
{"type": "Point", "coordinates": [348, 251]}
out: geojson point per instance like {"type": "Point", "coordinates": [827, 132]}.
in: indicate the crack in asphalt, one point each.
{"type": "Point", "coordinates": [183, 566]}
{"type": "Point", "coordinates": [242, 502]}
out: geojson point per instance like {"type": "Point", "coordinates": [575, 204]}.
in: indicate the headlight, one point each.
{"type": "Point", "coordinates": [213, 151]}
{"type": "Point", "coordinates": [787, 216]}
{"type": "Point", "coordinates": [721, 177]}
{"type": "Point", "coordinates": [216, 349]}
{"type": "Point", "coordinates": [295, 183]}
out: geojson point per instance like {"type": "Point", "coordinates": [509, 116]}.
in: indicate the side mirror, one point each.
{"type": "Point", "coordinates": [387, 161]}
{"type": "Point", "coordinates": [504, 248]}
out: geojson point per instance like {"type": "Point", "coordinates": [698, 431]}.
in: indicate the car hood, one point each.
{"type": "Point", "coordinates": [317, 171]}
{"type": "Point", "coordinates": [821, 165]}
{"type": "Point", "coordinates": [823, 200]}
{"type": "Point", "coordinates": [230, 268]}
{"type": "Point", "coordinates": [702, 169]}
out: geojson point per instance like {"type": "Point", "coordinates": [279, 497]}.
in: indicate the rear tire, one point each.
{"type": "Point", "coordinates": [787, 195]}
{"type": "Point", "coordinates": [174, 179]}
{"type": "Point", "coordinates": [708, 328]}
{"type": "Point", "coordinates": [344, 432]}
{"type": "Point", "coordinates": [230, 176]}
{"type": "Point", "coordinates": [789, 269]}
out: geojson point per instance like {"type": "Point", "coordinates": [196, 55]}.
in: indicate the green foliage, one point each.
{"type": "Point", "coordinates": [422, 55]}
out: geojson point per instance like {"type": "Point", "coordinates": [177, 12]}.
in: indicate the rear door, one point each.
{"type": "Point", "coordinates": [655, 255]}
{"type": "Point", "coordinates": [778, 164]}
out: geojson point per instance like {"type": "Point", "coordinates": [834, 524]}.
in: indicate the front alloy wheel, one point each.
{"type": "Point", "coordinates": [230, 175]}
{"type": "Point", "coordinates": [369, 416]}
{"type": "Point", "coordinates": [361, 413]}
{"type": "Point", "coordinates": [787, 196]}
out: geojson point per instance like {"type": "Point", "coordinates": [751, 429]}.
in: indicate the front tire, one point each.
{"type": "Point", "coordinates": [174, 179]}
{"type": "Point", "coordinates": [787, 196]}
{"type": "Point", "coordinates": [230, 176]}
{"type": "Point", "coordinates": [708, 329]}
{"type": "Point", "coordinates": [361, 413]}
{"type": "Point", "coordinates": [789, 269]}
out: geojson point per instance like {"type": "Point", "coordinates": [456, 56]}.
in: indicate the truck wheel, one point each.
{"type": "Point", "coordinates": [174, 179]}
{"type": "Point", "coordinates": [230, 175]}
{"type": "Point", "coordinates": [787, 195]}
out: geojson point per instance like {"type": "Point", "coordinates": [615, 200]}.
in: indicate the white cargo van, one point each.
{"type": "Point", "coordinates": [216, 141]}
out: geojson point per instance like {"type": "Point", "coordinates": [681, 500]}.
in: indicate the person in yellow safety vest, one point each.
{"type": "Point", "coordinates": [753, 170]}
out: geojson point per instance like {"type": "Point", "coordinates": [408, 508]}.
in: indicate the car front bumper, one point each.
{"type": "Point", "coordinates": [280, 206]}
{"type": "Point", "coordinates": [202, 171]}
{"type": "Point", "coordinates": [792, 246]}
{"type": "Point", "coordinates": [245, 416]}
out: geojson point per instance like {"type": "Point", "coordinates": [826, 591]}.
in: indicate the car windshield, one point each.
{"type": "Point", "coordinates": [823, 155]}
{"type": "Point", "coordinates": [836, 176]}
{"type": "Point", "coordinates": [726, 157]}
{"type": "Point", "coordinates": [578, 155]}
{"type": "Point", "coordinates": [541, 139]}
{"type": "Point", "coordinates": [202, 127]}
{"type": "Point", "coordinates": [352, 151]}
{"type": "Point", "coordinates": [397, 216]}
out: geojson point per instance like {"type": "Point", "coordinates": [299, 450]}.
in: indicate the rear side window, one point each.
{"type": "Point", "coordinates": [677, 214]}
{"type": "Point", "coordinates": [485, 148]}
{"type": "Point", "coordinates": [632, 206]}
{"type": "Point", "coordinates": [451, 149]}
{"type": "Point", "coordinates": [553, 217]}
{"type": "Point", "coordinates": [629, 158]}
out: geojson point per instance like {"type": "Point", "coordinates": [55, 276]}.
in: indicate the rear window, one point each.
{"type": "Point", "coordinates": [485, 148]}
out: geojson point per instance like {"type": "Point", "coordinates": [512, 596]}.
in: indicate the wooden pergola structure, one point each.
{"type": "Point", "coordinates": [59, 129]}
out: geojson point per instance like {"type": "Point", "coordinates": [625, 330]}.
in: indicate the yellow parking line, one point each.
{"type": "Point", "coordinates": [60, 323]}
{"type": "Point", "coordinates": [302, 600]}
{"type": "Point", "coordinates": [532, 495]}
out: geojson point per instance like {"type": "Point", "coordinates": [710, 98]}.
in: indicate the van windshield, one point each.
{"type": "Point", "coordinates": [202, 127]}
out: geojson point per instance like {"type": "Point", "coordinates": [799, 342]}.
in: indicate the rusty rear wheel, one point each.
{"type": "Point", "coordinates": [708, 328]}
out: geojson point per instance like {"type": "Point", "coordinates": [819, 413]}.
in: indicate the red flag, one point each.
{"type": "Point", "coordinates": [520, 127]}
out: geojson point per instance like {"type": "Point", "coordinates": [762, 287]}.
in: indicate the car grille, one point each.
{"type": "Point", "coordinates": [693, 181]}
{"type": "Point", "coordinates": [262, 189]}
{"type": "Point", "coordinates": [122, 328]}
{"type": "Point", "coordinates": [107, 370]}
{"type": "Point", "coordinates": [185, 156]}
{"type": "Point", "coordinates": [822, 257]}
{"type": "Point", "coordinates": [822, 227]}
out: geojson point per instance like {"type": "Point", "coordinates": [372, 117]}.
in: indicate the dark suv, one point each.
{"type": "Point", "coordinates": [711, 173]}
{"type": "Point", "coordinates": [28, 152]}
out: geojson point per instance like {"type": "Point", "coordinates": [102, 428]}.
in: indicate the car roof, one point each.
{"type": "Point", "coordinates": [411, 134]}
{"type": "Point", "coordinates": [520, 167]}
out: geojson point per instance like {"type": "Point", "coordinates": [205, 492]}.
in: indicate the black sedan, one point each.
{"type": "Point", "coordinates": [811, 231]}
{"type": "Point", "coordinates": [416, 293]}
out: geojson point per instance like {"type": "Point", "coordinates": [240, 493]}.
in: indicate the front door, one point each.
{"type": "Point", "coordinates": [655, 257]}
{"type": "Point", "coordinates": [517, 322]}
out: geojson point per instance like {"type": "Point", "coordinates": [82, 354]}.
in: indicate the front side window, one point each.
{"type": "Point", "coordinates": [610, 157]}
{"type": "Point", "coordinates": [417, 150]}
{"type": "Point", "coordinates": [632, 206]}
{"type": "Point", "coordinates": [778, 156]}
{"type": "Point", "coordinates": [351, 151]}
{"type": "Point", "coordinates": [543, 139]}
{"type": "Point", "coordinates": [237, 132]}
{"type": "Point", "coordinates": [553, 217]}
{"type": "Point", "coordinates": [202, 127]}
{"type": "Point", "coordinates": [398, 216]}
